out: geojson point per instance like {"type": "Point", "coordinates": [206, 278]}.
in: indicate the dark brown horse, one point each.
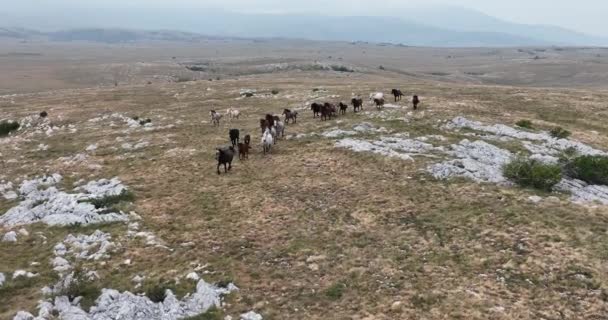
{"type": "Point", "coordinates": [264, 125]}
{"type": "Point", "coordinates": [343, 107]}
{"type": "Point", "coordinates": [357, 103]}
{"type": "Point", "coordinates": [327, 111]}
{"type": "Point", "coordinates": [397, 93]}
{"type": "Point", "coordinates": [415, 102]}
{"type": "Point", "coordinates": [316, 109]}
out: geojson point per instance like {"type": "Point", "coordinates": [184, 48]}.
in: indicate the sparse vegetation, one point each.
{"type": "Point", "coordinates": [275, 91]}
{"type": "Point", "coordinates": [82, 287]}
{"type": "Point", "coordinates": [110, 202]}
{"type": "Point", "coordinates": [339, 68]}
{"type": "Point", "coordinates": [559, 133]}
{"type": "Point", "coordinates": [6, 127]}
{"type": "Point", "coordinates": [524, 124]}
{"type": "Point", "coordinates": [591, 169]}
{"type": "Point", "coordinates": [534, 174]}
{"type": "Point", "coordinates": [335, 291]}
{"type": "Point", "coordinates": [212, 314]}
{"type": "Point", "coordinates": [157, 292]}
{"type": "Point", "coordinates": [381, 68]}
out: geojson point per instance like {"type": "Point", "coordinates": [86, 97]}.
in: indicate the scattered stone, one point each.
{"type": "Point", "coordinates": [43, 202]}
{"type": "Point", "coordinates": [535, 199]}
{"type": "Point", "coordinates": [396, 306]}
{"type": "Point", "coordinates": [24, 232]}
{"type": "Point", "coordinates": [112, 304]}
{"type": "Point", "coordinates": [60, 265]}
{"type": "Point", "coordinates": [318, 258]}
{"type": "Point", "coordinates": [478, 161]}
{"type": "Point", "coordinates": [583, 192]}
{"type": "Point", "coordinates": [193, 276]}
{"type": "Point", "coordinates": [91, 148]}
{"type": "Point", "coordinates": [10, 236]}
{"type": "Point", "coordinates": [2, 279]}
{"type": "Point", "coordinates": [251, 316]}
{"type": "Point", "coordinates": [23, 273]}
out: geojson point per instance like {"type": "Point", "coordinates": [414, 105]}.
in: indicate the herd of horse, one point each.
{"type": "Point", "coordinates": [273, 128]}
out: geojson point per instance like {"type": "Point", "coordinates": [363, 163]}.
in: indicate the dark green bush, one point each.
{"type": "Point", "coordinates": [560, 133]}
{"type": "Point", "coordinates": [109, 202]}
{"type": "Point", "coordinates": [156, 293]}
{"type": "Point", "coordinates": [591, 169]}
{"type": "Point", "coordinates": [7, 127]}
{"type": "Point", "coordinates": [43, 114]}
{"type": "Point", "coordinates": [534, 174]}
{"type": "Point", "coordinates": [275, 91]}
{"type": "Point", "coordinates": [341, 68]}
{"type": "Point", "coordinates": [336, 291]}
{"type": "Point", "coordinates": [82, 287]}
{"type": "Point", "coordinates": [524, 124]}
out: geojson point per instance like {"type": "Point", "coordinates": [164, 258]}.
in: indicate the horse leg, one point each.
{"type": "Point", "coordinates": [229, 165]}
{"type": "Point", "coordinates": [218, 168]}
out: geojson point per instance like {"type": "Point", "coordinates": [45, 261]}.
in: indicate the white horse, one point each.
{"type": "Point", "coordinates": [233, 113]}
{"type": "Point", "coordinates": [267, 141]}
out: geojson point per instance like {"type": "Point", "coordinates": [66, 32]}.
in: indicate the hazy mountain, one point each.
{"type": "Point", "coordinates": [462, 19]}
{"type": "Point", "coordinates": [440, 26]}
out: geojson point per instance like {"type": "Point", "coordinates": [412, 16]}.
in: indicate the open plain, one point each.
{"type": "Point", "coordinates": [344, 219]}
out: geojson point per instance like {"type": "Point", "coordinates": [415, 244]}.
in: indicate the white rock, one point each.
{"type": "Point", "coordinates": [24, 232]}
{"type": "Point", "coordinates": [193, 276]}
{"type": "Point", "coordinates": [535, 199]}
{"type": "Point", "coordinates": [60, 265]}
{"type": "Point", "coordinates": [251, 316]}
{"type": "Point", "coordinates": [91, 148]}
{"type": "Point", "coordinates": [10, 236]}
{"type": "Point", "coordinates": [43, 202]}
{"type": "Point", "coordinates": [478, 161]}
{"type": "Point", "coordinates": [583, 192]}
{"type": "Point", "coordinates": [2, 279]}
{"type": "Point", "coordinates": [23, 273]}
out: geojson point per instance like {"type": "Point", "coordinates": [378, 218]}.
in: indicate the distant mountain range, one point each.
{"type": "Point", "coordinates": [436, 26]}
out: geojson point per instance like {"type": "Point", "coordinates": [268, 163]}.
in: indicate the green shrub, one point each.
{"type": "Point", "coordinates": [381, 68]}
{"type": "Point", "coordinates": [524, 124]}
{"type": "Point", "coordinates": [109, 202]}
{"type": "Point", "coordinates": [591, 169]}
{"type": "Point", "coordinates": [336, 291]}
{"type": "Point", "coordinates": [7, 127]}
{"type": "Point", "coordinates": [341, 68]}
{"type": "Point", "coordinates": [212, 314]}
{"type": "Point", "coordinates": [560, 133]}
{"type": "Point", "coordinates": [156, 293]}
{"type": "Point", "coordinates": [275, 91]}
{"type": "Point", "coordinates": [534, 174]}
{"type": "Point", "coordinates": [82, 287]}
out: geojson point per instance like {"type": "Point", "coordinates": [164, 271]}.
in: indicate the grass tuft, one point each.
{"type": "Point", "coordinates": [524, 124]}
{"type": "Point", "coordinates": [531, 173]}
{"type": "Point", "coordinates": [560, 133]}
{"type": "Point", "coordinates": [7, 127]}
{"type": "Point", "coordinates": [591, 169]}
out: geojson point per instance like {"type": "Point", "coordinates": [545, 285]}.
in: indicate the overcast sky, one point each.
{"type": "Point", "coordinates": [582, 15]}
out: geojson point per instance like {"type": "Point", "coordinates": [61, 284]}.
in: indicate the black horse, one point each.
{"type": "Point", "coordinates": [397, 93]}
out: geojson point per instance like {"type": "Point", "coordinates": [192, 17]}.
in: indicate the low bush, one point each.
{"type": "Point", "coordinates": [591, 169]}
{"type": "Point", "coordinates": [109, 202]}
{"type": "Point", "coordinates": [341, 68]}
{"type": "Point", "coordinates": [275, 91]}
{"type": "Point", "coordinates": [7, 127]}
{"type": "Point", "coordinates": [336, 291]}
{"type": "Point", "coordinates": [531, 173]}
{"type": "Point", "coordinates": [43, 114]}
{"type": "Point", "coordinates": [82, 287]}
{"type": "Point", "coordinates": [559, 133]}
{"type": "Point", "coordinates": [524, 124]}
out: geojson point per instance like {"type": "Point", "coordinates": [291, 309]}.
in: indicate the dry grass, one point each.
{"type": "Point", "coordinates": [385, 231]}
